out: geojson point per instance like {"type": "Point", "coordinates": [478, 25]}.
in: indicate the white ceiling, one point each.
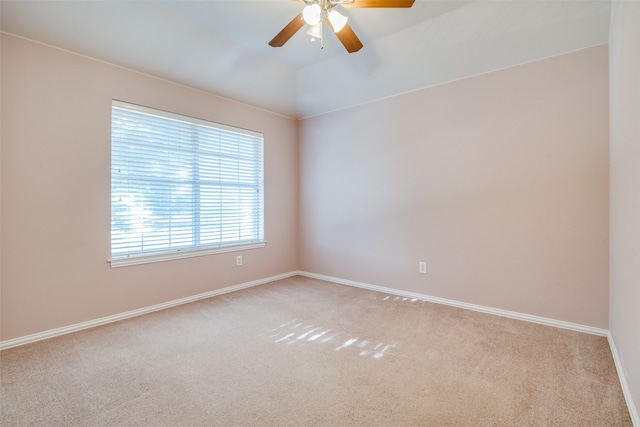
{"type": "Point", "coordinates": [221, 46]}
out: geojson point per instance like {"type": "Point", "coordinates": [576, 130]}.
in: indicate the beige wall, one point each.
{"type": "Point", "coordinates": [56, 112]}
{"type": "Point", "coordinates": [625, 188]}
{"type": "Point", "coordinates": [500, 182]}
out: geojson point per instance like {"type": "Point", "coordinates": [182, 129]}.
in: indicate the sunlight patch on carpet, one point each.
{"type": "Point", "coordinates": [300, 333]}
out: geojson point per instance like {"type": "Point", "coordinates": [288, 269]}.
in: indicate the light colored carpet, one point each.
{"type": "Point", "coordinates": [303, 352]}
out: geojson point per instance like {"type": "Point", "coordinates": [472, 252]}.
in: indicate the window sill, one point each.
{"type": "Point", "coordinates": [168, 256]}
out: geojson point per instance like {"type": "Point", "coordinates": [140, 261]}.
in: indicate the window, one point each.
{"type": "Point", "coordinates": [181, 186]}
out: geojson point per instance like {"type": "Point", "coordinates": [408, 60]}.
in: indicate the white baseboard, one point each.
{"type": "Point", "coordinates": [121, 316]}
{"type": "Point", "coordinates": [467, 306]}
{"type": "Point", "coordinates": [138, 312]}
{"type": "Point", "coordinates": [633, 411]}
{"type": "Point", "coordinates": [504, 313]}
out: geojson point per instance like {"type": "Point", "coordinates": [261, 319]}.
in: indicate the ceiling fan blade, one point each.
{"type": "Point", "coordinates": [287, 32]}
{"type": "Point", "coordinates": [379, 3]}
{"type": "Point", "coordinates": [348, 38]}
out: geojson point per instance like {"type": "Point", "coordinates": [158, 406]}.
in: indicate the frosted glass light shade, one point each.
{"type": "Point", "coordinates": [338, 21]}
{"type": "Point", "coordinates": [311, 14]}
{"type": "Point", "coordinates": [315, 31]}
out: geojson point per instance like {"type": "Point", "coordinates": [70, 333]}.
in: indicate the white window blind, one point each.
{"type": "Point", "coordinates": [180, 186]}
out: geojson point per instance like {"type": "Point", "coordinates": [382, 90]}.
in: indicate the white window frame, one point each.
{"type": "Point", "coordinates": [130, 256]}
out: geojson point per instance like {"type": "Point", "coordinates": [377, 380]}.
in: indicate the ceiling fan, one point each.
{"type": "Point", "coordinates": [317, 10]}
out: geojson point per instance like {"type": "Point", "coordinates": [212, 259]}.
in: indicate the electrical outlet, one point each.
{"type": "Point", "coordinates": [239, 260]}
{"type": "Point", "coordinates": [422, 267]}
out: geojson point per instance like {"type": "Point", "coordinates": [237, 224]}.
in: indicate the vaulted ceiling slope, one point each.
{"type": "Point", "coordinates": [221, 46]}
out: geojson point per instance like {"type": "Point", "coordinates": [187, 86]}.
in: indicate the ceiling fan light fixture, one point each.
{"type": "Point", "coordinates": [338, 20]}
{"type": "Point", "coordinates": [312, 14]}
{"type": "Point", "coordinates": [315, 31]}
{"type": "Point", "coordinates": [317, 10]}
